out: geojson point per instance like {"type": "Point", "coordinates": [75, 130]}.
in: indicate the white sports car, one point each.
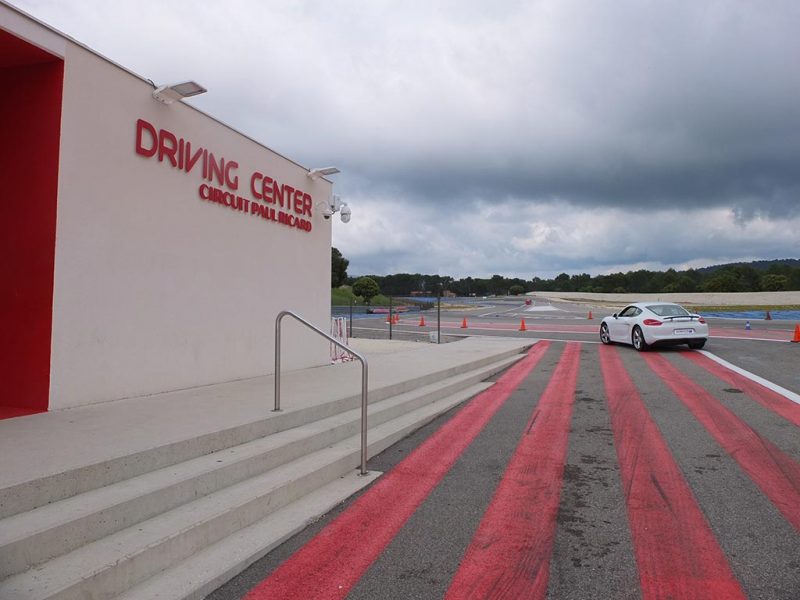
{"type": "Point", "coordinates": [646, 324]}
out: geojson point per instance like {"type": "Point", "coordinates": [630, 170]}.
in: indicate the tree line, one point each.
{"type": "Point", "coordinates": [779, 275]}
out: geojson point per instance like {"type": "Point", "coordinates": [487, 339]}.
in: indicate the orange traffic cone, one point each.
{"type": "Point", "coordinates": [422, 321]}
{"type": "Point", "coordinates": [768, 317]}
{"type": "Point", "coordinates": [796, 338]}
{"type": "Point", "coordinates": [464, 323]}
{"type": "Point", "coordinates": [590, 315]}
{"type": "Point", "coordinates": [389, 319]}
{"type": "Point", "coordinates": [522, 325]}
{"type": "Point", "coordinates": [396, 319]}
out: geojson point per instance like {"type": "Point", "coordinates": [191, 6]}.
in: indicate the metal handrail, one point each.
{"type": "Point", "coordinates": [364, 375]}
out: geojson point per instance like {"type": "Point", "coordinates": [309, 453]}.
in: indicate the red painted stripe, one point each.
{"type": "Point", "coordinates": [766, 397]}
{"type": "Point", "coordinates": [509, 556]}
{"type": "Point", "coordinates": [329, 565]}
{"type": "Point", "coordinates": [776, 473]}
{"type": "Point", "coordinates": [676, 551]}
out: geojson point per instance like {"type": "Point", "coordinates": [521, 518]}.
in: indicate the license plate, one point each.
{"type": "Point", "coordinates": [682, 331]}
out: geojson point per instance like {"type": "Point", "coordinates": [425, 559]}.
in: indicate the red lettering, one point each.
{"type": "Point", "coordinates": [275, 192]}
{"type": "Point", "coordinates": [298, 202]}
{"type": "Point", "coordinates": [253, 190]}
{"type": "Point", "coordinates": [268, 189]}
{"type": "Point", "coordinates": [203, 191]}
{"type": "Point", "coordinates": [306, 205]}
{"type": "Point", "coordinates": [141, 127]}
{"type": "Point", "coordinates": [286, 192]}
{"type": "Point", "coordinates": [165, 136]}
{"type": "Point", "coordinates": [192, 160]}
{"type": "Point", "coordinates": [181, 144]}
{"type": "Point", "coordinates": [215, 169]}
{"type": "Point", "coordinates": [231, 182]}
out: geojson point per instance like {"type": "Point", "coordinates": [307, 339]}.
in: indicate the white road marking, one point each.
{"type": "Point", "coordinates": [547, 307]}
{"type": "Point", "coordinates": [498, 312]}
{"type": "Point", "coordinates": [752, 376]}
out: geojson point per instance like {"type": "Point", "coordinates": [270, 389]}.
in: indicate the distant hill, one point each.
{"type": "Point", "coordinates": [761, 265]}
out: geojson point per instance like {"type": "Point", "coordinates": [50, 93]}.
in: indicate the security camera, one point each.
{"type": "Point", "coordinates": [326, 209]}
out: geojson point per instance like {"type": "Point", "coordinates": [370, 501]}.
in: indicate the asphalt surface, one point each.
{"type": "Point", "coordinates": [593, 553]}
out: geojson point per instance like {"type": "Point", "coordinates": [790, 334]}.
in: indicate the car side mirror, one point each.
{"type": "Point", "coordinates": [614, 315]}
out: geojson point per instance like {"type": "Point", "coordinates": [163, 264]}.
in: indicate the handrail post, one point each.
{"type": "Point", "coordinates": [364, 402]}
{"type": "Point", "coordinates": [364, 376]}
{"type": "Point", "coordinates": [278, 363]}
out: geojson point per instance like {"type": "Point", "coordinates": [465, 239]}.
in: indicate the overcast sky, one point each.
{"type": "Point", "coordinates": [509, 137]}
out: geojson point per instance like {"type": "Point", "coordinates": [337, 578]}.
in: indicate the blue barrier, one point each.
{"type": "Point", "coordinates": [779, 315]}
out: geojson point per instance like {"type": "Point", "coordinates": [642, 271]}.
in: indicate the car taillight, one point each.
{"type": "Point", "coordinates": [652, 322]}
{"type": "Point", "coordinates": [702, 320]}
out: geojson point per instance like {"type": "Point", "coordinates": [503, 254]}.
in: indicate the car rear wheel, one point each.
{"type": "Point", "coordinates": [637, 337]}
{"type": "Point", "coordinates": [604, 336]}
{"type": "Point", "coordinates": [697, 345]}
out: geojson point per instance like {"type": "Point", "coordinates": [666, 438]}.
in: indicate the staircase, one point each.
{"type": "Point", "coordinates": [178, 520]}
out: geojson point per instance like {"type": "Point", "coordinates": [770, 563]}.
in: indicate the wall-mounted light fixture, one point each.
{"type": "Point", "coordinates": [317, 173]}
{"type": "Point", "coordinates": [170, 93]}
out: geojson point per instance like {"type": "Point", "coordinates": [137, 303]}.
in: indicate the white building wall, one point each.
{"type": "Point", "coordinates": [156, 289]}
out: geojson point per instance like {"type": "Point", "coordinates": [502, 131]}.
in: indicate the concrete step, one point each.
{"type": "Point", "coordinates": [21, 497]}
{"type": "Point", "coordinates": [112, 565]}
{"type": "Point", "coordinates": [205, 571]}
{"type": "Point", "coordinates": [38, 535]}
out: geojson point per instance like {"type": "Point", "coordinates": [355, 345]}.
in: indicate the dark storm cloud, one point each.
{"type": "Point", "coordinates": [749, 188]}
{"type": "Point", "coordinates": [694, 104]}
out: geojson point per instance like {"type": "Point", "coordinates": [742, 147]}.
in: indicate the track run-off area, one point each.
{"type": "Point", "coordinates": [586, 471]}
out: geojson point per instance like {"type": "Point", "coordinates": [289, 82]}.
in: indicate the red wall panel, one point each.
{"type": "Point", "coordinates": [30, 126]}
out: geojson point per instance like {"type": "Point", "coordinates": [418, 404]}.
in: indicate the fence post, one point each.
{"type": "Point", "coordinates": [439, 317]}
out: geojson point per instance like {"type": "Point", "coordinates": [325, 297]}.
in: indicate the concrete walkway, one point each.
{"type": "Point", "coordinates": [47, 444]}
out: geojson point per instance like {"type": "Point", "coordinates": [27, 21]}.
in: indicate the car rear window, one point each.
{"type": "Point", "coordinates": [668, 310]}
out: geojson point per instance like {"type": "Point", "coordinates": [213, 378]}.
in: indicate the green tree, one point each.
{"type": "Point", "coordinates": [722, 282]}
{"type": "Point", "coordinates": [516, 290]}
{"type": "Point", "coordinates": [497, 285]}
{"type": "Point", "coordinates": [747, 277]}
{"type": "Point", "coordinates": [367, 288]}
{"type": "Point", "coordinates": [480, 287]}
{"type": "Point", "coordinates": [338, 268]}
{"type": "Point", "coordinates": [562, 283]}
{"type": "Point", "coordinates": [774, 283]}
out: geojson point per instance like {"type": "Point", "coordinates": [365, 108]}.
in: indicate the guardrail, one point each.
{"type": "Point", "coordinates": [364, 375]}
